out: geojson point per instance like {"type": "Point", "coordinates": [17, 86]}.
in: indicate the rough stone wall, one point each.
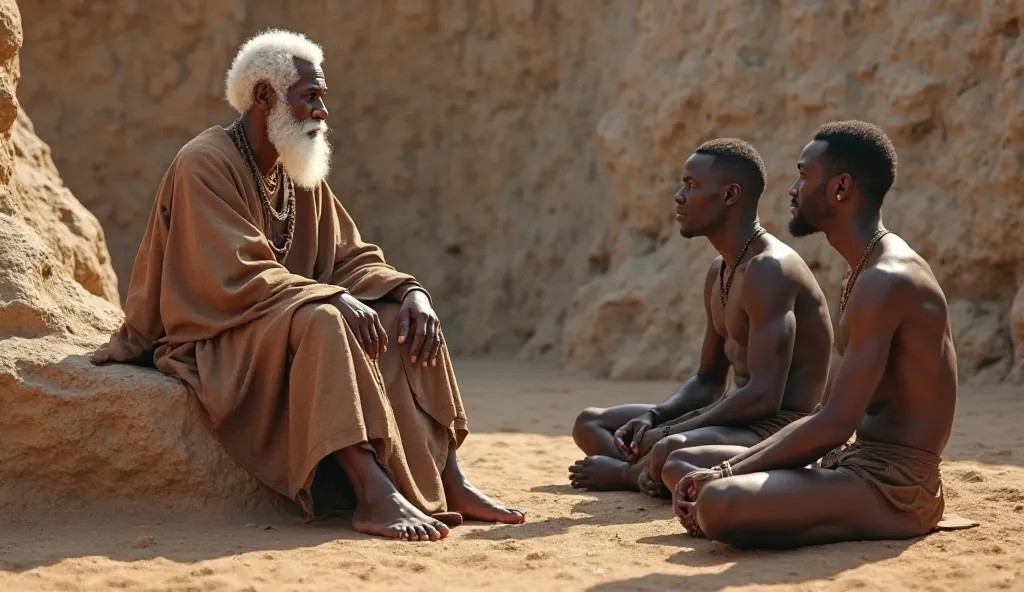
{"type": "Point", "coordinates": [72, 433]}
{"type": "Point", "coordinates": [520, 156]}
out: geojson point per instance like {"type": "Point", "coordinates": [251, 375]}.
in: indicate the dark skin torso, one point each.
{"type": "Point", "coordinates": [915, 400]}
{"type": "Point", "coordinates": [896, 383]}
{"type": "Point", "coordinates": [775, 334]}
{"type": "Point", "coordinates": [808, 370]}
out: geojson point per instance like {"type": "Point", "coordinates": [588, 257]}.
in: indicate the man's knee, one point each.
{"type": "Point", "coordinates": [678, 463]}
{"type": "Point", "coordinates": [664, 449]}
{"type": "Point", "coordinates": [720, 510]}
{"type": "Point", "coordinates": [586, 422]}
{"type": "Point", "coordinates": [315, 316]}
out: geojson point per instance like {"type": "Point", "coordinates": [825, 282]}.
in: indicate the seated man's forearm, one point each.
{"type": "Point", "coordinates": [797, 445]}
{"type": "Point", "coordinates": [741, 407]}
{"type": "Point", "coordinates": [695, 393]}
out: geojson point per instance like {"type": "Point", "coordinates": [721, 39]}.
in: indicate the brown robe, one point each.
{"type": "Point", "coordinates": [281, 379]}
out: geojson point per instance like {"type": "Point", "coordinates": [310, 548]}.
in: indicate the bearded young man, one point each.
{"type": "Point", "coordinates": [253, 286]}
{"type": "Point", "coordinates": [895, 387]}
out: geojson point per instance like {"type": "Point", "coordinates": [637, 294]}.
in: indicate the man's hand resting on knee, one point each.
{"type": "Point", "coordinates": [427, 339]}
{"type": "Point", "coordinates": [365, 323]}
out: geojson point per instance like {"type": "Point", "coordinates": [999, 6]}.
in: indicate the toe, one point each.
{"type": "Point", "coordinates": [442, 529]}
{"type": "Point", "coordinates": [421, 533]}
{"type": "Point", "coordinates": [431, 531]}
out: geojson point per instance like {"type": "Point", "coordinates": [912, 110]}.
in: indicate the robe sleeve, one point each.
{"type": "Point", "coordinates": [360, 267]}
{"type": "Point", "coordinates": [203, 266]}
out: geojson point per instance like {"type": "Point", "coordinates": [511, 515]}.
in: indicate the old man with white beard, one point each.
{"type": "Point", "coordinates": [320, 367]}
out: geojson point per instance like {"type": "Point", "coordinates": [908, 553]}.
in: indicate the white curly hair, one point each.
{"type": "Point", "coordinates": [268, 56]}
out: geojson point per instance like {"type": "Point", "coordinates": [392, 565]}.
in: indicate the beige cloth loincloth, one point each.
{"type": "Point", "coordinates": [768, 426]}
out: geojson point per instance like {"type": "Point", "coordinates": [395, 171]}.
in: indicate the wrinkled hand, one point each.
{"type": "Point", "coordinates": [427, 339]}
{"type": "Point", "coordinates": [630, 435]}
{"type": "Point", "coordinates": [365, 323]}
{"type": "Point", "coordinates": [684, 499]}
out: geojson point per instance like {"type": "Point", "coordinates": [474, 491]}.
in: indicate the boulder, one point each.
{"type": "Point", "coordinates": [72, 433]}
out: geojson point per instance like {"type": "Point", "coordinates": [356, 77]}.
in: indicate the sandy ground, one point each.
{"type": "Point", "coordinates": [520, 452]}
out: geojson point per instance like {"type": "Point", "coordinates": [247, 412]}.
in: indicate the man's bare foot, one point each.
{"type": "Point", "coordinates": [599, 473]}
{"type": "Point", "coordinates": [463, 497]}
{"type": "Point", "coordinates": [394, 517]}
{"type": "Point", "coordinates": [651, 487]}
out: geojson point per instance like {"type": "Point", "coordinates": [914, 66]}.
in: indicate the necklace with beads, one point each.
{"type": "Point", "coordinates": [724, 288]}
{"type": "Point", "coordinates": [266, 187]}
{"type": "Point", "coordinates": [852, 275]}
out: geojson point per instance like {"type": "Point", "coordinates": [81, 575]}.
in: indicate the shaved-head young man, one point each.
{"type": "Point", "coordinates": [320, 368]}
{"type": "Point", "coordinates": [766, 319]}
{"type": "Point", "coordinates": [895, 385]}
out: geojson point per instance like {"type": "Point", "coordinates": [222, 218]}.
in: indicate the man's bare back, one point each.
{"type": "Point", "coordinates": [767, 319]}
{"type": "Point", "coordinates": [896, 384]}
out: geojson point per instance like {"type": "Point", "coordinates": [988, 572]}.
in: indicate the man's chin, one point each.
{"type": "Point", "coordinates": [687, 232]}
{"type": "Point", "coordinates": [798, 227]}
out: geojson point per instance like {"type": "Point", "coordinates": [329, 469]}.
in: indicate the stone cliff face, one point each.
{"type": "Point", "coordinates": [520, 157]}
{"type": "Point", "coordinates": [70, 432]}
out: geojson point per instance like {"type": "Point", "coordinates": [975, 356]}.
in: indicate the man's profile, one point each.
{"type": "Point", "coordinates": [895, 385]}
{"type": "Point", "coordinates": [766, 320]}
{"type": "Point", "coordinates": [307, 353]}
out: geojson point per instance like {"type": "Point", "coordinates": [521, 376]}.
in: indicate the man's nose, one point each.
{"type": "Point", "coordinates": [320, 111]}
{"type": "Point", "coordinates": [680, 199]}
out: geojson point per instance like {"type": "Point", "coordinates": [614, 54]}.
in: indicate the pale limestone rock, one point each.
{"type": "Point", "coordinates": [72, 434]}
{"type": "Point", "coordinates": [520, 157]}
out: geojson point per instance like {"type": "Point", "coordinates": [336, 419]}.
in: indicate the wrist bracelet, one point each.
{"type": "Point", "coordinates": [725, 468]}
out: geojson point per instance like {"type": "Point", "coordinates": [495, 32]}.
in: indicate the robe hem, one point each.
{"type": "Point", "coordinates": [359, 434]}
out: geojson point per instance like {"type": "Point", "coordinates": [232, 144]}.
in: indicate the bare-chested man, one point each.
{"type": "Point", "coordinates": [896, 384]}
{"type": "Point", "coordinates": [766, 318]}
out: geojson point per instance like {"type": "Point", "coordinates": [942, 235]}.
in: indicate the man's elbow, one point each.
{"type": "Point", "coordinates": [769, 405]}
{"type": "Point", "coordinates": [751, 406]}
{"type": "Point", "coordinates": [834, 430]}
{"type": "Point", "coordinates": [712, 386]}
{"type": "Point", "coordinates": [762, 403]}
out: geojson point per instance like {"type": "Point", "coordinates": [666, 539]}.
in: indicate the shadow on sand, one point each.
{"type": "Point", "coordinates": [745, 568]}
{"type": "Point", "coordinates": [609, 509]}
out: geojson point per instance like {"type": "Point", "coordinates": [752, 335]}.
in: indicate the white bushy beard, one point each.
{"type": "Point", "coordinates": [306, 160]}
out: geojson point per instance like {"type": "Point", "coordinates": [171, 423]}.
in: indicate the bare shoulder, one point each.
{"type": "Point", "coordinates": [777, 269]}
{"type": "Point", "coordinates": [900, 283]}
